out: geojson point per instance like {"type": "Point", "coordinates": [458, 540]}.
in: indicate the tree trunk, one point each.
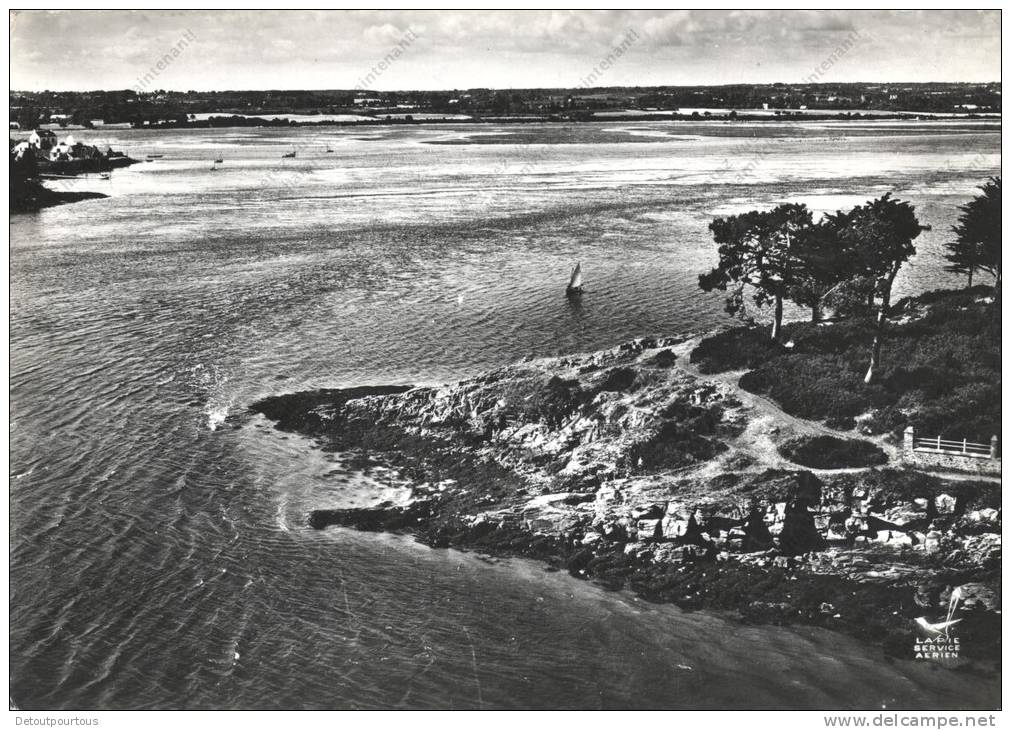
{"type": "Point", "coordinates": [995, 314]}
{"type": "Point", "coordinates": [970, 277]}
{"type": "Point", "coordinates": [875, 348]}
{"type": "Point", "coordinates": [777, 322]}
{"type": "Point", "coordinates": [879, 328]}
{"type": "Point", "coordinates": [816, 312]}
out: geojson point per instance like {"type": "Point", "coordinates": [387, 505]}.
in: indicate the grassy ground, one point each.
{"type": "Point", "coordinates": [940, 369]}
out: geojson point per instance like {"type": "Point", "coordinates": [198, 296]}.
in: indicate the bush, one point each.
{"type": "Point", "coordinates": [734, 350]}
{"type": "Point", "coordinates": [534, 399]}
{"type": "Point", "coordinates": [829, 452]}
{"type": "Point", "coordinates": [703, 421]}
{"type": "Point", "coordinates": [618, 379]}
{"type": "Point", "coordinates": [815, 386]}
{"type": "Point", "coordinates": [939, 373]}
{"type": "Point", "coordinates": [673, 446]}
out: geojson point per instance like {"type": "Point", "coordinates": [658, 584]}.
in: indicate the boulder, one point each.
{"type": "Point", "coordinates": [976, 595]}
{"type": "Point", "coordinates": [653, 512]}
{"type": "Point", "coordinates": [945, 504]}
{"type": "Point", "coordinates": [651, 529]}
{"type": "Point", "coordinates": [615, 532]}
{"type": "Point", "coordinates": [799, 533]}
{"type": "Point", "coordinates": [756, 533]}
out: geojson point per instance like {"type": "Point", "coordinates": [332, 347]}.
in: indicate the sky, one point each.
{"type": "Point", "coordinates": [217, 50]}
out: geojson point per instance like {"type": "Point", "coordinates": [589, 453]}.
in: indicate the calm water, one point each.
{"type": "Point", "coordinates": [158, 554]}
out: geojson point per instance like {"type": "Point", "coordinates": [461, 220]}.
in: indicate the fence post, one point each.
{"type": "Point", "coordinates": [939, 442]}
{"type": "Point", "coordinates": [964, 442]}
{"type": "Point", "coordinates": [994, 447]}
{"type": "Point", "coordinates": [907, 441]}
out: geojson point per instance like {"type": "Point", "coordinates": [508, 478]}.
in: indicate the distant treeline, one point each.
{"type": "Point", "coordinates": [29, 109]}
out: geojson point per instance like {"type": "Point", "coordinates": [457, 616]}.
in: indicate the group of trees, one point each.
{"type": "Point", "coordinates": [30, 109]}
{"type": "Point", "coordinates": [850, 258]}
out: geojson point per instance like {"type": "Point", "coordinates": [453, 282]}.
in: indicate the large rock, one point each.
{"type": "Point", "coordinates": [799, 534]}
{"type": "Point", "coordinates": [756, 533]}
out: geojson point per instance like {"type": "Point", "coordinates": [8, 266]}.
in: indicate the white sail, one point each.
{"type": "Point", "coordinates": [576, 282]}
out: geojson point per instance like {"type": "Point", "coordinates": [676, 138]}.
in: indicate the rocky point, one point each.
{"type": "Point", "coordinates": [624, 468]}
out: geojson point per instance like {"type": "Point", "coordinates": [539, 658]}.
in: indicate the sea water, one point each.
{"type": "Point", "coordinates": [159, 552]}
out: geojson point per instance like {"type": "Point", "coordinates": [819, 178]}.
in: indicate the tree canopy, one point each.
{"type": "Point", "coordinates": [783, 254]}
{"type": "Point", "coordinates": [877, 238]}
{"type": "Point", "coordinates": [822, 266]}
{"type": "Point", "coordinates": [758, 249]}
{"type": "Point", "coordinates": [977, 235]}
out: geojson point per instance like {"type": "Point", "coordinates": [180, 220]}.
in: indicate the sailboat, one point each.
{"type": "Point", "coordinates": [575, 287]}
{"type": "Point", "coordinates": [288, 154]}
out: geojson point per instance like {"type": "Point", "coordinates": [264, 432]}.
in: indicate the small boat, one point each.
{"type": "Point", "coordinates": [155, 157]}
{"type": "Point", "coordinates": [575, 287]}
{"type": "Point", "coordinates": [329, 150]}
{"type": "Point", "coordinates": [106, 175]}
{"type": "Point", "coordinates": [218, 161]}
{"type": "Point", "coordinates": [288, 154]}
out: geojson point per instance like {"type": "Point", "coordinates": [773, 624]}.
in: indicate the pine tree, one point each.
{"type": "Point", "coordinates": [878, 238]}
{"type": "Point", "coordinates": [977, 235]}
{"type": "Point", "coordinates": [757, 249]}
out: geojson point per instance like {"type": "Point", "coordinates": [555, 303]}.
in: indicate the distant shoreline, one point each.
{"type": "Point", "coordinates": [225, 121]}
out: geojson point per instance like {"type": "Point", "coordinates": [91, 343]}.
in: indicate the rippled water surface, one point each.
{"type": "Point", "coordinates": [159, 557]}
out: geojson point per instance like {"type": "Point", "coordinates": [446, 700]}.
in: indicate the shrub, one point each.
{"type": "Point", "coordinates": [814, 386]}
{"type": "Point", "coordinates": [939, 373]}
{"type": "Point", "coordinates": [534, 399]}
{"type": "Point", "coordinates": [618, 379]}
{"type": "Point", "coordinates": [735, 349]}
{"type": "Point", "coordinates": [673, 446]}
{"type": "Point", "coordinates": [829, 452]}
{"type": "Point", "coordinates": [696, 419]}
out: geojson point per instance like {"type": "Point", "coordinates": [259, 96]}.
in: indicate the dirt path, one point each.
{"type": "Point", "coordinates": [768, 426]}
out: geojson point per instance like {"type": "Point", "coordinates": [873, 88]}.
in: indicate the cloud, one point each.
{"type": "Point", "coordinates": [330, 49]}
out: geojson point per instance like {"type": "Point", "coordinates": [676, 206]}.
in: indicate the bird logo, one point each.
{"type": "Point", "coordinates": [941, 628]}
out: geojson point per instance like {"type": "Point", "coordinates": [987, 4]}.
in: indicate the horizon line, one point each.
{"type": "Point", "coordinates": [506, 88]}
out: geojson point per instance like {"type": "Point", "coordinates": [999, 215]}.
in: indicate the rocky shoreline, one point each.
{"type": "Point", "coordinates": [33, 197]}
{"type": "Point", "coordinates": [625, 468]}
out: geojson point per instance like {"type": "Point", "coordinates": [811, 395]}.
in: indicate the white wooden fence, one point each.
{"type": "Point", "coordinates": [937, 445]}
